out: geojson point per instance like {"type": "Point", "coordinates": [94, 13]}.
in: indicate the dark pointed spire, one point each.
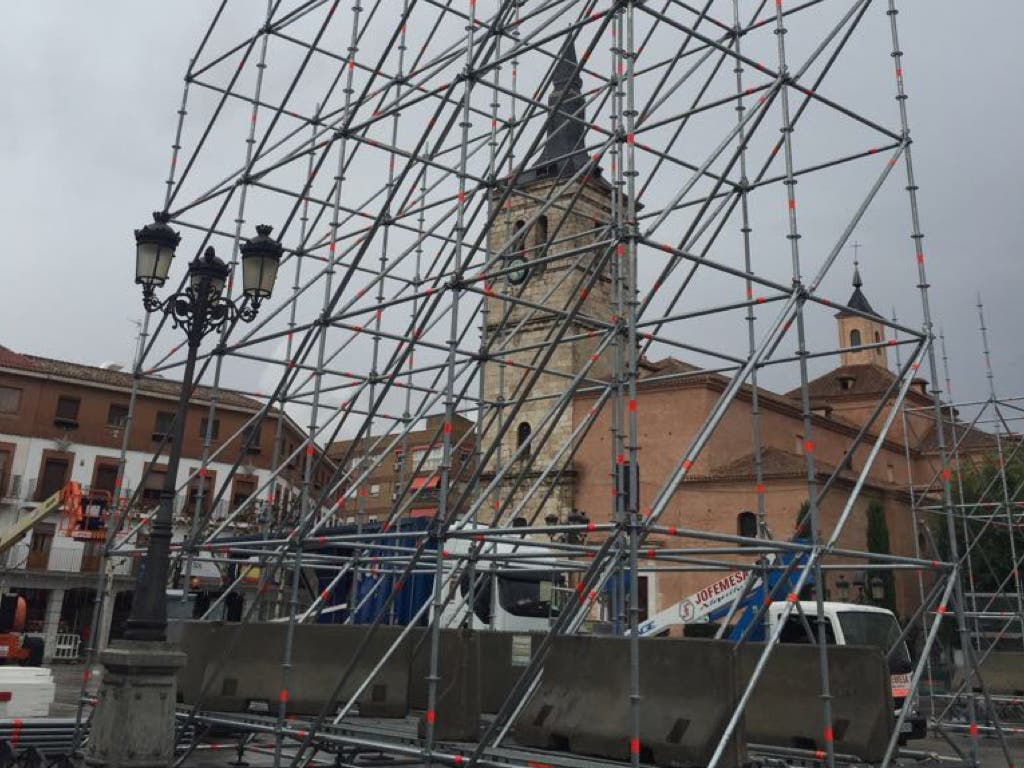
{"type": "Point", "coordinates": [565, 75]}
{"type": "Point", "coordinates": [857, 300]}
{"type": "Point", "coordinates": [564, 145]}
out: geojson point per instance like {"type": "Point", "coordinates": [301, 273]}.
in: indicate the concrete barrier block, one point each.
{"type": "Point", "coordinates": [503, 658]}
{"type": "Point", "coordinates": [582, 703]}
{"type": "Point", "coordinates": [1002, 671]}
{"type": "Point", "coordinates": [786, 707]}
{"type": "Point", "coordinates": [456, 714]}
{"type": "Point", "coordinates": [250, 675]}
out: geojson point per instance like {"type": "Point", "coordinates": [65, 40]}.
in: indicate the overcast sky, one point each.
{"type": "Point", "coordinates": [89, 98]}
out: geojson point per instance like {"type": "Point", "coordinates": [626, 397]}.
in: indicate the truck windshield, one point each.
{"type": "Point", "coordinates": [879, 630]}
{"type": "Point", "coordinates": [528, 594]}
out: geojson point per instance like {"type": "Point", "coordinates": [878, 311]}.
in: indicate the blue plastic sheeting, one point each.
{"type": "Point", "coordinates": [416, 589]}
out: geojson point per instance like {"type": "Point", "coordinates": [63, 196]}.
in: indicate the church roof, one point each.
{"type": "Point", "coordinates": [666, 366]}
{"type": "Point", "coordinates": [774, 462]}
{"type": "Point", "coordinates": [849, 380]}
{"type": "Point", "coordinates": [957, 433]}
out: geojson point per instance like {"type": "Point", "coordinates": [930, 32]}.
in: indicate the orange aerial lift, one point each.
{"type": "Point", "coordinates": [85, 512]}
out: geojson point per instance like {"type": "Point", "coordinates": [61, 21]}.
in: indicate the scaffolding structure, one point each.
{"type": "Point", "coordinates": [986, 453]}
{"type": "Point", "coordinates": [386, 142]}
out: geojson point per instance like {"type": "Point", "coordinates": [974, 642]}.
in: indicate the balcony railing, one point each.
{"type": "Point", "coordinates": [60, 558]}
{"type": "Point", "coordinates": [18, 488]}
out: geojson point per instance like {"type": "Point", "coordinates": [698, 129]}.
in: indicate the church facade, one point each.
{"type": "Point", "coordinates": [555, 292]}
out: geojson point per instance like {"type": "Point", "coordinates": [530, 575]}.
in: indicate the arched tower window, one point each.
{"type": "Point", "coordinates": [542, 232]}
{"type": "Point", "coordinates": [746, 524]}
{"type": "Point", "coordinates": [519, 245]}
{"type": "Point", "coordinates": [855, 338]}
{"type": "Point", "coordinates": [523, 433]}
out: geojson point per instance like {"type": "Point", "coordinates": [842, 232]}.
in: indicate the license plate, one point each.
{"type": "Point", "coordinates": [907, 727]}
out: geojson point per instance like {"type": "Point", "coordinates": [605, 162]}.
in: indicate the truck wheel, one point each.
{"type": "Point", "coordinates": [34, 646]}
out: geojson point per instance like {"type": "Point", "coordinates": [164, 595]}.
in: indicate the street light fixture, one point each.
{"type": "Point", "coordinates": [134, 719]}
{"type": "Point", "coordinates": [154, 251]}
{"type": "Point", "coordinates": [843, 589]}
{"type": "Point", "coordinates": [877, 586]}
{"type": "Point", "coordinates": [199, 309]}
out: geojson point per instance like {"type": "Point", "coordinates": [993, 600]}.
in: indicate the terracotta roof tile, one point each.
{"type": "Point", "coordinates": [849, 380]}
{"type": "Point", "coordinates": [122, 379]}
{"type": "Point", "coordinates": [11, 359]}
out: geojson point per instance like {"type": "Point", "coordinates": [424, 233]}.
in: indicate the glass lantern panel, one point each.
{"type": "Point", "coordinates": [146, 255]}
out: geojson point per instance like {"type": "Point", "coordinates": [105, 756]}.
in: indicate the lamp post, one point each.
{"type": "Point", "coordinates": [842, 589]}
{"type": "Point", "coordinates": [134, 721]}
{"type": "Point", "coordinates": [877, 586]}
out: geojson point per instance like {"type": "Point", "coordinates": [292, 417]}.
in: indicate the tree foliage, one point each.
{"type": "Point", "coordinates": [985, 523]}
{"type": "Point", "coordinates": [878, 543]}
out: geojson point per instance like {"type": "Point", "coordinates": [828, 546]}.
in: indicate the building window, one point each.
{"type": "Point", "coordinates": [855, 338]}
{"type": "Point", "coordinates": [10, 399]}
{"type": "Point", "coordinates": [53, 477]}
{"type": "Point", "coordinates": [105, 478]}
{"type": "Point", "coordinates": [162, 425]}
{"type": "Point", "coordinates": [542, 232]}
{"type": "Point", "coordinates": [251, 435]}
{"type": "Point", "coordinates": [431, 461]}
{"type": "Point", "coordinates": [214, 433]}
{"type": "Point", "coordinates": [375, 490]}
{"type": "Point", "coordinates": [746, 524]}
{"type": "Point", "coordinates": [522, 434]}
{"type": "Point", "coordinates": [890, 473]}
{"type": "Point", "coordinates": [202, 485]}
{"type": "Point", "coordinates": [66, 415]}
{"type": "Point", "coordinates": [117, 416]}
{"type": "Point", "coordinates": [519, 244]}
{"type": "Point", "coordinates": [152, 485]}
{"type": "Point", "coordinates": [241, 490]}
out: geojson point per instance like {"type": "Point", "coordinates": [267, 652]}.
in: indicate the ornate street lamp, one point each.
{"type": "Point", "coordinates": [199, 309]}
{"type": "Point", "coordinates": [154, 251]}
{"type": "Point", "coordinates": [134, 720]}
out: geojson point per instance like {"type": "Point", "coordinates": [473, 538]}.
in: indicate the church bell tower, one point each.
{"type": "Point", "coordinates": [549, 305]}
{"type": "Point", "coordinates": [856, 331]}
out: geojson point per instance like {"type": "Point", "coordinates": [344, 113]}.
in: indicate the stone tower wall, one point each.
{"type": "Point", "coordinates": [550, 288]}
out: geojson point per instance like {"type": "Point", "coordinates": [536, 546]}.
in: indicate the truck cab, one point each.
{"type": "Point", "coordinates": [519, 596]}
{"type": "Point", "coordinates": [853, 624]}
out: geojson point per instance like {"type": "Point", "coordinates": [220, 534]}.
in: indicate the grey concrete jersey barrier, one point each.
{"type": "Point", "coordinates": [689, 688]}
{"type": "Point", "coordinates": [1002, 671]}
{"type": "Point", "coordinates": [785, 709]}
{"type": "Point", "coordinates": [456, 712]}
{"type": "Point", "coordinates": [582, 703]}
{"type": "Point", "coordinates": [503, 658]}
{"type": "Point", "coordinates": [250, 671]}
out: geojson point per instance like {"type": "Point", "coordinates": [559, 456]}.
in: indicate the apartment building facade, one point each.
{"type": "Point", "coordinates": [63, 422]}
